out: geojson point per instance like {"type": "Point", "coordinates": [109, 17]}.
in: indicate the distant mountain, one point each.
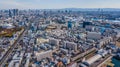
{"type": "Point", "coordinates": [93, 9]}
{"type": "Point", "coordinates": [87, 9]}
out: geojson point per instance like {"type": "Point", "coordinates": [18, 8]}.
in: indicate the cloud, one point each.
{"type": "Point", "coordinates": [8, 4]}
{"type": "Point", "coordinates": [47, 4]}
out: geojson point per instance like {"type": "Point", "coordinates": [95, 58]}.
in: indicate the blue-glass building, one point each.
{"type": "Point", "coordinates": [86, 23]}
{"type": "Point", "coordinates": [10, 14]}
{"type": "Point", "coordinates": [102, 30]}
{"type": "Point", "coordinates": [69, 24]}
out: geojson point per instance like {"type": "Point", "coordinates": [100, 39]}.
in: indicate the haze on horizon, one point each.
{"type": "Point", "coordinates": [57, 4]}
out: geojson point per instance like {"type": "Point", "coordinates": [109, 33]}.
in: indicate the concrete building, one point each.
{"type": "Point", "coordinates": [118, 42]}
{"type": "Point", "coordinates": [71, 45]}
{"type": "Point", "coordinates": [44, 55]}
{"type": "Point", "coordinates": [16, 61]}
{"type": "Point", "coordinates": [28, 60]}
{"type": "Point", "coordinates": [94, 35]}
{"type": "Point", "coordinates": [104, 41]}
{"type": "Point", "coordinates": [41, 40]}
{"type": "Point", "coordinates": [53, 41]}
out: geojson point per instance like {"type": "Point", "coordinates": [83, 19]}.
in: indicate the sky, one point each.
{"type": "Point", "coordinates": [58, 4]}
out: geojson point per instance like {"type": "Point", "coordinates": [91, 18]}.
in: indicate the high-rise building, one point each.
{"type": "Point", "coordinates": [69, 24]}
{"type": "Point", "coordinates": [86, 23]}
{"type": "Point", "coordinates": [15, 12]}
{"type": "Point", "coordinates": [10, 14]}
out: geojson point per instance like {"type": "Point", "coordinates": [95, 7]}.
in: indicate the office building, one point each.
{"type": "Point", "coordinates": [69, 24]}
{"type": "Point", "coordinates": [46, 54]}
{"type": "Point", "coordinates": [94, 35]}
{"type": "Point", "coordinates": [86, 23]}
{"type": "Point", "coordinates": [70, 45]}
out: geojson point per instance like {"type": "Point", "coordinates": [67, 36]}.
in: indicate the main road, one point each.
{"type": "Point", "coordinates": [15, 44]}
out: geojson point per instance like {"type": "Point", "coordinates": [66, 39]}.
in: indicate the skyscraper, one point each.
{"type": "Point", "coordinates": [10, 14]}
{"type": "Point", "coordinates": [15, 12]}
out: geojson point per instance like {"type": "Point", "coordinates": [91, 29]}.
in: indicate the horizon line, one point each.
{"type": "Point", "coordinates": [56, 8]}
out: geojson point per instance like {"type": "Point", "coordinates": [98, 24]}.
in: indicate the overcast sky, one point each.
{"type": "Point", "coordinates": [56, 4]}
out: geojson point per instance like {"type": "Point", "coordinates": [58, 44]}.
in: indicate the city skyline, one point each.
{"type": "Point", "coordinates": [59, 33]}
{"type": "Point", "coordinates": [58, 4]}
